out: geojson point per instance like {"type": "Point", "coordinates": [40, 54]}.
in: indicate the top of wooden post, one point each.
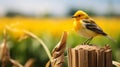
{"type": "Point", "coordinates": [92, 47]}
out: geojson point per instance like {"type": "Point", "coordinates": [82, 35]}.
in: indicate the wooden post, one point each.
{"type": "Point", "coordinates": [89, 56]}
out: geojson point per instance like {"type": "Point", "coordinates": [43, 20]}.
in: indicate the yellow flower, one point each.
{"type": "Point", "coordinates": [16, 31]}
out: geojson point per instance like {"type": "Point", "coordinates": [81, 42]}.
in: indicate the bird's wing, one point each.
{"type": "Point", "coordinates": [91, 25]}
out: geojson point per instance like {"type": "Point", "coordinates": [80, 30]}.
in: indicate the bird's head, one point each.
{"type": "Point", "coordinates": [80, 15]}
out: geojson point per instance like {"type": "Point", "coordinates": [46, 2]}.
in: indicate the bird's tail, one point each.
{"type": "Point", "coordinates": [110, 38]}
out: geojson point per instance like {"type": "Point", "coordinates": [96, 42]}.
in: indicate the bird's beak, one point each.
{"type": "Point", "coordinates": [73, 16]}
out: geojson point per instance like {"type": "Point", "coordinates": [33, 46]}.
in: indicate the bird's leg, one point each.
{"type": "Point", "coordinates": [87, 41]}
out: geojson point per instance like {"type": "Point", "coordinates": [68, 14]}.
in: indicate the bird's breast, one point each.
{"type": "Point", "coordinates": [77, 26]}
{"type": "Point", "coordinates": [87, 33]}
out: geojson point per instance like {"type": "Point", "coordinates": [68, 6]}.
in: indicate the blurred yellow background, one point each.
{"type": "Point", "coordinates": [56, 25]}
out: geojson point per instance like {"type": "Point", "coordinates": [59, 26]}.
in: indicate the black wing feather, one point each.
{"type": "Point", "coordinates": [91, 25]}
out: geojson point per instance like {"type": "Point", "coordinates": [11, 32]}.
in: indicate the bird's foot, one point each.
{"type": "Point", "coordinates": [86, 43]}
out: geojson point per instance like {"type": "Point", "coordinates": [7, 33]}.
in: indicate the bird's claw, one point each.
{"type": "Point", "coordinates": [86, 43]}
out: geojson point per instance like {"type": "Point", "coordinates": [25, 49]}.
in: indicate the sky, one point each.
{"type": "Point", "coordinates": [57, 7]}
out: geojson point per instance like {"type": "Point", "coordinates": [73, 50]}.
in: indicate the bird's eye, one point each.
{"type": "Point", "coordinates": [79, 15]}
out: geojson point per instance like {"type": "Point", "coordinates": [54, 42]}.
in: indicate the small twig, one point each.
{"type": "Point", "coordinates": [15, 63]}
{"type": "Point", "coordinates": [48, 64]}
{"type": "Point", "coordinates": [40, 41]}
{"type": "Point", "coordinates": [117, 64]}
{"type": "Point", "coordinates": [29, 63]}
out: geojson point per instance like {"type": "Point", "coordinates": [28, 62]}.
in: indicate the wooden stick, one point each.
{"type": "Point", "coordinates": [58, 52]}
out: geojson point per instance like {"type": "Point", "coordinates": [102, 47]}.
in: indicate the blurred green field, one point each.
{"type": "Point", "coordinates": [50, 31]}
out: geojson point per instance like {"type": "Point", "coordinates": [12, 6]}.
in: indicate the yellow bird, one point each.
{"type": "Point", "coordinates": [87, 27]}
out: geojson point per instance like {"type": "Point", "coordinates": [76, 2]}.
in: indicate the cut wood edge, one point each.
{"type": "Point", "coordinates": [117, 64]}
{"type": "Point", "coordinates": [58, 52]}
